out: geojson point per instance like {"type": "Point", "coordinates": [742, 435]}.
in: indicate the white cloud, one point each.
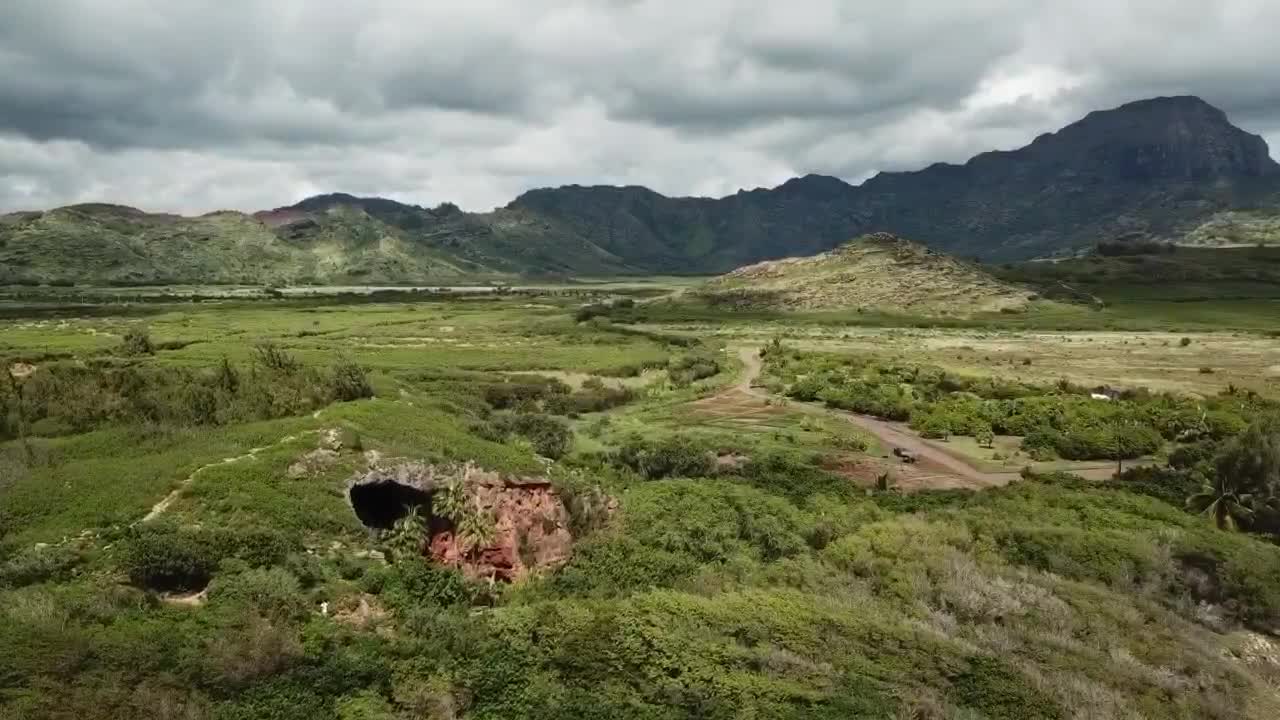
{"type": "Point", "coordinates": [208, 104]}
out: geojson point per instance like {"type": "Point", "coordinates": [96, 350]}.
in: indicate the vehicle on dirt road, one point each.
{"type": "Point", "coordinates": [906, 455]}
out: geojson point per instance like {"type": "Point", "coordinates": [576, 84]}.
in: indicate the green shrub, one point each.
{"type": "Point", "coordinates": [997, 690]}
{"type": "Point", "coordinates": [414, 583]}
{"type": "Point", "coordinates": [714, 521]}
{"type": "Point", "coordinates": [671, 456]}
{"type": "Point", "coordinates": [794, 477]}
{"type": "Point", "coordinates": [549, 436]}
{"type": "Point", "coordinates": [261, 547]}
{"type": "Point", "coordinates": [691, 369]}
{"type": "Point", "coordinates": [165, 557]}
{"type": "Point", "coordinates": [271, 592]}
{"type": "Point", "coordinates": [271, 357]}
{"type": "Point", "coordinates": [136, 342]}
{"type": "Point", "coordinates": [348, 381]}
{"type": "Point", "coordinates": [588, 312]}
{"type": "Point", "coordinates": [526, 395]}
{"type": "Point", "coordinates": [593, 397]}
{"type": "Point", "coordinates": [40, 564]}
{"type": "Point", "coordinates": [614, 563]}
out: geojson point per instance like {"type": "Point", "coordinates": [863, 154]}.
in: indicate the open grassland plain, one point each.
{"type": "Point", "coordinates": [188, 528]}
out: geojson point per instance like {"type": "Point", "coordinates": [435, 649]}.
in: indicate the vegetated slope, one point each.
{"type": "Point", "coordinates": [1164, 168]}
{"type": "Point", "coordinates": [1174, 273]}
{"type": "Point", "coordinates": [1235, 228]}
{"type": "Point", "coordinates": [875, 272]}
{"type": "Point", "coordinates": [329, 239]}
{"type": "Point", "coordinates": [114, 244]}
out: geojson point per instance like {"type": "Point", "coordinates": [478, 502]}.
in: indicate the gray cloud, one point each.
{"type": "Point", "coordinates": [207, 104]}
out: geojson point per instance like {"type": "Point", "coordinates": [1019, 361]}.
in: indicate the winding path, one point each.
{"type": "Point", "coordinates": [897, 435]}
{"type": "Point", "coordinates": [163, 506]}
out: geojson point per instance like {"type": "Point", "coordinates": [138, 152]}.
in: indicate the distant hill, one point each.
{"type": "Point", "coordinates": [332, 239]}
{"type": "Point", "coordinates": [1168, 169]}
{"type": "Point", "coordinates": [878, 272]}
{"type": "Point", "coordinates": [1171, 273]}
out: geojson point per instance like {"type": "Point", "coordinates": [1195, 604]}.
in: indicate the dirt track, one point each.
{"type": "Point", "coordinates": [950, 470]}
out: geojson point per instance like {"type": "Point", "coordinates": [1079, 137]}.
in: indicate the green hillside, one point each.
{"type": "Point", "coordinates": [1172, 272]}
{"type": "Point", "coordinates": [332, 240]}
{"type": "Point", "coordinates": [879, 272]}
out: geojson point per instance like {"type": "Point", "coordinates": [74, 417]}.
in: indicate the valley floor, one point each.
{"type": "Point", "coordinates": [179, 537]}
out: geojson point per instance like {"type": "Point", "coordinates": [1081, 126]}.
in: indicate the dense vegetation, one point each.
{"type": "Point", "coordinates": [65, 398]}
{"type": "Point", "coordinates": [1066, 420]}
{"type": "Point", "coordinates": [717, 572]}
{"type": "Point", "coordinates": [1141, 270]}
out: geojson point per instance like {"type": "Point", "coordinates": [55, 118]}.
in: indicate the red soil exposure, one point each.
{"type": "Point", "coordinates": [529, 518]}
{"type": "Point", "coordinates": [530, 532]}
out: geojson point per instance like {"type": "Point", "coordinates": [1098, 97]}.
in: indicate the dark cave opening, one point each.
{"type": "Point", "coordinates": [380, 504]}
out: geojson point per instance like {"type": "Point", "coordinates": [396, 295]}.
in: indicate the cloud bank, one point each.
{"type": "Point", "coordinates": [202, 105]}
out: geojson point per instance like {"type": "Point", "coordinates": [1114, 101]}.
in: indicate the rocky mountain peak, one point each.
{"type": "Point", "coordinates": [1179, 138]}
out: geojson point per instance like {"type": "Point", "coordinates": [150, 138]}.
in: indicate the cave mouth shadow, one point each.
{"type": "Point", "coordinates": [379, 505]}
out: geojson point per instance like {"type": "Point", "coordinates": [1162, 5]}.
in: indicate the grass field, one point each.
{"type": "Point", "coordinates": [731, 554]}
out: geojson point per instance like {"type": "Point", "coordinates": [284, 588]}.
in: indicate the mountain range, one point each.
{"type": "Point", "coordinates": [1165, 168]}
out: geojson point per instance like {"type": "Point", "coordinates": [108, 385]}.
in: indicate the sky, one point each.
{"type": "Point", "coordinates": [193, 105]}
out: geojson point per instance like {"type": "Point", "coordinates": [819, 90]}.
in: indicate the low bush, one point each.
{"type": "Point", "coordinates": [137, 342]}
{"type": "Point", "coordinates": [549, 436]}
{"type": "Point", "coordinates": [167, 558]}
{"type": "Point", "coordinates": [40, 564]}
{"type": "Point", "coordinates": [525, 394]}
{"type": "Point", "coordinates": [690, 369]}
{"type": "Point", "coordinates": [672, 456]}
{"type": "Point", "coordinates": [274, 593]}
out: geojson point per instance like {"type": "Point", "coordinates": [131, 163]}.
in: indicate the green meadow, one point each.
{"type": "Point", "coordinates": [173, 545]}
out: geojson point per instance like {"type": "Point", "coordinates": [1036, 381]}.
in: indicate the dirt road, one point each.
{"type": "Point", "coordinates": [897, 435]}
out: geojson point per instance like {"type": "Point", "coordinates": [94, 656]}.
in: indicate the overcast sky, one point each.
{"type": "Point", "coordinates": [195, 105]}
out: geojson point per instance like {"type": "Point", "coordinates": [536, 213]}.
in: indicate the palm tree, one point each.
{"type": "Point", "coordinates": [1222, 501]}
{"type": "Point", "coordinates": [408, 536]}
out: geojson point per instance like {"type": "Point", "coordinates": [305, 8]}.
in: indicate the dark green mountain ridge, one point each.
{"type": "Point", "coordinates": [1160, 168]}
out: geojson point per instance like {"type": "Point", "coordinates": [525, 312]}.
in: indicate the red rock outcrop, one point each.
{"type": "Point", "coordinates": [530, 530]}
{"type": "Point", "coordinates": [529, 519]}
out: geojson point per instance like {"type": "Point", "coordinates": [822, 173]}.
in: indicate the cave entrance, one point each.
{"type": "Point", "coordinates": [380, 504]}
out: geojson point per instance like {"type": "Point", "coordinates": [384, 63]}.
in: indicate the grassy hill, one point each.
{"type": "Point", "coordinates": [329, 240]}
{"type": "Point", "coordinates": [879, 272]}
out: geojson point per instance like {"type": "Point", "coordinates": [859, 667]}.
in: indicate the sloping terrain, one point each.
{"type": "Point", "coordinates": [333, 239]}
{"type": "Point", "coordinates": [1237, 228]}
{"type": "Point", "coordinates": [1169, 272]}
{"type": "Point", "coordinates": [1165, 169]}
{"type": "Point", "coordinates": [879, 272]}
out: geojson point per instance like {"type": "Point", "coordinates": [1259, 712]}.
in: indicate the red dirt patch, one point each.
{"type": "Point", "coordinates": [864, 470]}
